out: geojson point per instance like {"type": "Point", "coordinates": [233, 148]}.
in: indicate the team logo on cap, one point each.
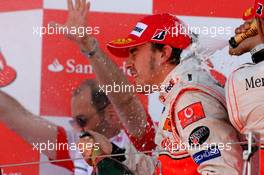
{"type": "Point", "coordinates": [139, 29]}
{"type": "Point", "coordinates": [7, 73]}
{"type": "Point", "coordinates": [122, 41]}
{"type": "Point", "coordinates": [259, 9]}
{"type": "Point", "coordinates": [248, 14]}
{"type": "Point", "coordinates": [159, 35]}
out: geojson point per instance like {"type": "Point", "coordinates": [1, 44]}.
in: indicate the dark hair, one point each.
{"type": "Point", "coordinates": [175, 55]}
{"type": "Point", "coordinates": [98, 98]}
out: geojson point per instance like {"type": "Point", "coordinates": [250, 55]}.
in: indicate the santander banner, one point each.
{"type": "Point", "coordinates": [40, 68]}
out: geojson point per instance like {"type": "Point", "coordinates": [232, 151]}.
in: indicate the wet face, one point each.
{"type": "Point", "coordinates": [144, 64]}
{"type": "Point", "coordinates": [104, 122]}
{"type": "Point", "coordinates": [83, 110]}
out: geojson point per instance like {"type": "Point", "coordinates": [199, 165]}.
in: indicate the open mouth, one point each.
{"type": "Point", "coordinates": [133, 73]}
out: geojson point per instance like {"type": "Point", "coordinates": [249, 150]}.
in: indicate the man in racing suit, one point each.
{"type": "Point", "coordinates": [245, 86]}
{"type": "Point", "coordinates": [195, 110]}
{"type": "Point", "coordinates": [195, 114]}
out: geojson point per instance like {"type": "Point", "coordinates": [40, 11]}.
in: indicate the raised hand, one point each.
{"type": "Point", "coordinates": [103, 146]}
{"type": "Point", "coordinates": [77, 17]}
{"type": "Point", "coordinates": [249, 43]}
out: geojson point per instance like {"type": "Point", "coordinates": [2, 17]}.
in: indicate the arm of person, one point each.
{"type": "Point", "coordinates": [128, 156]}
{"type": "Point", "coordinates": [202, 123]}
{"type": "Point", "coordinates": [31, 128]}
{"type": "Point", "coordinates": [129, 107]}
{"type": "Point", "coordinates": [249, 43]}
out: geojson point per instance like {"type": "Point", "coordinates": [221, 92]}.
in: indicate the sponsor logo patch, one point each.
{"type": "Point", "coordinates": [253, 83]}
{"type": "Point", "coordinates": [259, 9]}
{"type": "Point", "coordinates": [139, 29]}
{"type": "Point", "coordinates": [170, 86]}
{"type": "Point", "coordinates": [159, 35]}
{"type": "Point", "coordinates": [191, 114]}
{"type": "Point", "coordinates": [205, 155]}
{"type": "Point", "coordinates": [199, 135]}
{"type": "Point", "coordinates": [122, 41]}
{"type": "Point", "coordinates": [167, 125]}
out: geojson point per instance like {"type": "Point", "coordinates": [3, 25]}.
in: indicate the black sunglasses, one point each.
{"type": "Point", "coordinates": [82, 120]}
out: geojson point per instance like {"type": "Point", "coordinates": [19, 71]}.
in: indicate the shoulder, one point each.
{"type": "Point", "coordinates": [198, 103]}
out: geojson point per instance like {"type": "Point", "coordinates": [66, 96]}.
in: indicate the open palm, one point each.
{"type": "Point", "coordinates": [77, 15]}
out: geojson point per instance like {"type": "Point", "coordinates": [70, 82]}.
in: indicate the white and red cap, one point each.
{"type": "Point", "coordinates": [7, 73]}
{"type": "Point", "coordinates": [160, 28]}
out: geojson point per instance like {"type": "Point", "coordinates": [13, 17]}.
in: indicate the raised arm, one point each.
{"type": "Point", "coordinates": [127, 104]}
{"type": "Point", "coordinates": [30, 127]}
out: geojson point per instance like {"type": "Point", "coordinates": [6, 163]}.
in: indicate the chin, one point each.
{"type": "Point", "coordinates": [139, 81]}
{"type": "Point", "coordinates": [144, 84]}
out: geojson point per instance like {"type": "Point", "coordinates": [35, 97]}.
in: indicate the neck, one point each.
{"type": "Point", "coordinates": [165, 71]}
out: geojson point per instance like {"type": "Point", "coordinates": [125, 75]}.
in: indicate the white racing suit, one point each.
{"type": "Point", "coordinates": [195, 123]}
{"type": "Point", "coordinates": [245, 100]}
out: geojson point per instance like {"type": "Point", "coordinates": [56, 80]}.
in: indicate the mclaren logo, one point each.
{"type": "Point", "coordinates": [7, 73]}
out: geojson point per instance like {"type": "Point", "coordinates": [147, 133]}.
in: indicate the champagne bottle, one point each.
{"type": "Point", "coordinates": [109, 166]}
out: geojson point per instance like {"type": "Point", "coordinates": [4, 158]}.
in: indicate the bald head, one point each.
{"type": "Point", "coordinates": [98, 99]}
{"type": "Point", "coordinates": [92, 105]}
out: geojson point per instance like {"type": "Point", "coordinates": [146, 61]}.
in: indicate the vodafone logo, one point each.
{"type": "Point", "coordinates": [188, 112]}
{"type": "Point", "coordinates": [7, 73]}
{"type": "Point", "coordinates": [191, 114]}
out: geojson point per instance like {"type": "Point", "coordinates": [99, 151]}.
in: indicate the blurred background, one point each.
{"type": "Point", "coordinates": [49, 67]}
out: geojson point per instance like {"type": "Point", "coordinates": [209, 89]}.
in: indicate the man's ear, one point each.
{"type": "Point", "coordinates": [166, 53]}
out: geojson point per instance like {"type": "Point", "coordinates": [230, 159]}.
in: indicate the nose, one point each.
{"type": "Point", "coordinates": [129, 63]}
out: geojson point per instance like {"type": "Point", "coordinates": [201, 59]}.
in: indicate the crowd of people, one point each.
{"type": "Point", "coordinates": [199, 111]}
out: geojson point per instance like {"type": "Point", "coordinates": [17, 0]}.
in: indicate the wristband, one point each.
{"type": "Point", "coordinates": [93, 51]}
{"type": "Point", "coordinates": [110, 166]}
{"type": "Point", "coordinates": [258, 56]}
{"type": "Point", "coordinates": [257, 49]}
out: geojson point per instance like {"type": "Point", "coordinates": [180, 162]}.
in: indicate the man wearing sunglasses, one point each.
{"type": "Point", "coordinates": [91, 110]}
